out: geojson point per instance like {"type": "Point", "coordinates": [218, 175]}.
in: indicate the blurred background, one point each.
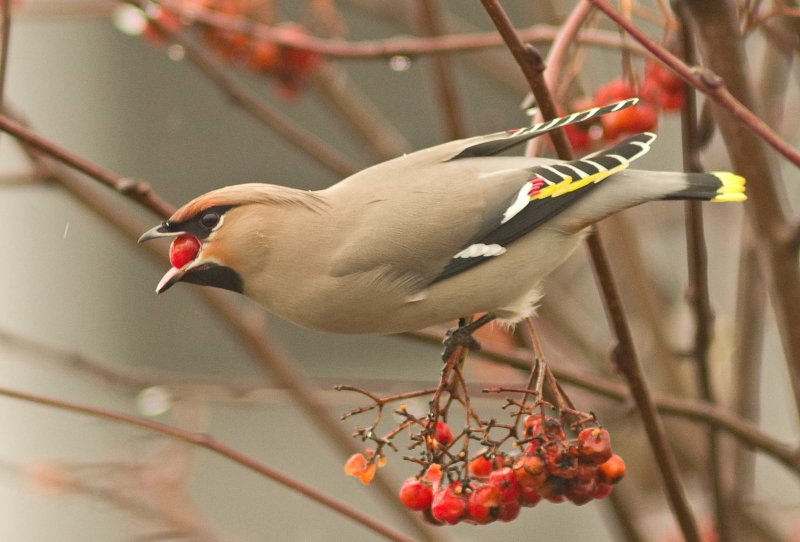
{"type": "Point", "coordinates": [79, 319]}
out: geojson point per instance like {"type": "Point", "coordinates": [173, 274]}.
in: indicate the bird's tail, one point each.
{"type": "Point", "coordinates": [712, 186]}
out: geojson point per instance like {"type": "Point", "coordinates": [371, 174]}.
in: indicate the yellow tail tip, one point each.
{"type": "Point", "coordinates": [732, 189]}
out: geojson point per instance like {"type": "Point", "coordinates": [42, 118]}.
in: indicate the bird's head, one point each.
{"type": "Point", "coordinates": [197, 253]}
{"type": "Point", "coordinates": [224, 238]}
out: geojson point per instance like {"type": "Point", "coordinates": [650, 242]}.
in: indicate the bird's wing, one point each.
{"type": "Point", "coordinates": [548, 191]}
{"type": "Point", "coordinates": [492, 144]}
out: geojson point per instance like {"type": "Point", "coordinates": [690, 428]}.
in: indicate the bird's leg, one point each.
{"type": "Point", "coordinates": [462, 335]}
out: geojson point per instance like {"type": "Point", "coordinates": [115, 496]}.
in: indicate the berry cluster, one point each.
{"type": "Point", "coordinates": [494, 487]}
{"type": "Point", "coordinates": [291, 67]}
{"type": "Point", "coordinates": [660, 90]}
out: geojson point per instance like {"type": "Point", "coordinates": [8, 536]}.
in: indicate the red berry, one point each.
{"type": "Point", "coordinates": [483, 504]}
{"type": "Point", "coordinates": [582, 492]}
{"type": "Point", "coordinates": [594, 445]}
{"type": "Point", "coordinates": [480, 467]}
{"type": "Point", "coordinates": [586, 471]}
{"type": "Point", "coordinates": [665, 78]}
{"type": "Point", "coordinates": [506, 481]}
{"type": "Point", "coordinates": [529, 496]}
{"type": "Point", "coordinates": [448, 506]}
{"type": "Point", "coordinates": [550, 430]}
{"type": "Point", "coordinates": [558, 460]}
{"type": "Point", "coordinates": [415, 494]}
{"type": "Point", "coordinates": [530, 470]}
{"type": "Point", "coordinates": [578, 137]}
{"type": "Point", "coordinates": [646, 117]}
{"type": "Point", "coordinates": [616, 124]}
{"type": "Point", "coordinates": [184, 249]}
{"type": "Point", "coordinates": [602, 490]}
{"type": "Point", "coordinates": [672, 100]}
{"type": "Point", "coordinates": [509, 511]}
{"type": "Point", "coordinates": [442, 433]}
{"type": "Point", "coordinates": [614, 91]}
{"type": "Point", "coordinates": [612, 471]}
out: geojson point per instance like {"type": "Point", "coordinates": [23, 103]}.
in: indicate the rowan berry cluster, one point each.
{"type": "Point", "coordinates": [660, 90]}
{"type": "Point", "coordinates": [494, 487]}
{"type": "Point", "coordinates": [289, 66]}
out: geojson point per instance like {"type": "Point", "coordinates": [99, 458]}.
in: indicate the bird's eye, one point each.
{"type": "Point", "coordinates": [210, 220]}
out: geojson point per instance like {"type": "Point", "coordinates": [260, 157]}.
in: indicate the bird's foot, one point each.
{"type": "Point", "coordinates": [462, 336]}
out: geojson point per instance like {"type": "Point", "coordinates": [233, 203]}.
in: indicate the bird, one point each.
{"type": "Point", "coordinates": [422, 239]}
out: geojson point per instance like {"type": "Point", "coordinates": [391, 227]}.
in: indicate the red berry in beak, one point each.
{"type": "Point", "coordinates": [183, 250]}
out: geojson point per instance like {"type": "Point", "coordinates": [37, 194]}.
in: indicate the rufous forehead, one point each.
{"type": "Point", "coordinates": [193, 208]}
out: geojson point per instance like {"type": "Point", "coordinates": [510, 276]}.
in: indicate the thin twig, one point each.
{"type": "Point", "coordinates": [706, 82]}
{"type": "Point", "coordinates": [443, 76]}
{"type": "Point", "coordinates": [626, 358]}
{"type": "Point", "coordinates": [697, 289]}
{"type": "Point", "coordinates": [208, 442]}
{"type": "Point", "coordinates": [382, 49]}
{"type": "Point", "coordinates": [282, 125]}
{"type": "Point", "coordinates": [138, 191]}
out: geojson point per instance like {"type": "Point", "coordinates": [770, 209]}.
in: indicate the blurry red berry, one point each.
{"type": "Point", "coordinates": [184, 249]}
{"type": "Point", "coordinates": [448, 506]}
{"type": "Point", "coordinates": [578, 137]}
{"type": "Point", "coordinates": [442, 433]}
{"type": "Point", "coordinates": [582, 492]}
{"type": "Point", "coordinates": [558, 461]}
{"type": "Point", "coordinates": [594, 445]}
{"type": "Point", "coordinates": [530, 470]}
{"type": "Point", "coordinates": [616, 124]}
{"type": "Point", "coordinates": [506, 481]}
{"type": "Point", "coordinates": [263, 56]}
{"type": "Point", "coordinates": [612, 471]}
{"type": "Point", "coordinates": [480, 467]}
{"type": "Point", "coordinates": [483, 504]}
{"type": "Point", "coordinates": [602, 490]}
{"type": "Point", "coordinates": [672, 100]}
{"type": "Point", "coordinates": [586, 471]}
{"type": "Point", "coordinates": [416, 494]}
{"type": "Point", "coordinates": [529, 497]}
{"type": "Point", "coordinates": [613, 91]}
{"type": "Point", "coordinates": [665, 78]}
{"type": "Point", "coordinates": [509, 511]}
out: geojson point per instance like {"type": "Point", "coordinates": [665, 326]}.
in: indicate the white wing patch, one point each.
{"type": "Point", "coordinates": [480, 250]}
{"type": "Point", "coordinates": [523, 198]}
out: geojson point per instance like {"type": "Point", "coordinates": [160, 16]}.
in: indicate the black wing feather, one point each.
{"type": "Point", "coordinates": [539, 211]}
{"type": "Point", "coordinates": [495, 146]}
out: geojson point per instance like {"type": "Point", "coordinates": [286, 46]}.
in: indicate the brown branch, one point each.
{"type": "Point", "coordinates": [374, 129]}
{"type": "Point", "coordinates": [626, 357]}
{"type": "Point", "coordinates": [282, 125]}
{"type": "Point", "coordinates": [723, 52]}
{"type": "Point", "coordinates": [208, 442]}
{"type": "Point", "coordinates": [247, 326]}
{"type": "Point", "coordinates": [137, 191]}
{"type": "Point", "coordinates": [706, 81]}
{"type": "Point", "coordinates": [5, 33]}
{"type": "Point", "coordinates": [697, 289]}
{"type": "Point", "coordinates": [397, 46]}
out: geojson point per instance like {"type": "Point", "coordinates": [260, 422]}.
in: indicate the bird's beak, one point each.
{"type": "Point", "coordinates": [159, 231]}
{"type": "Point", "coordinates": [171, 277]}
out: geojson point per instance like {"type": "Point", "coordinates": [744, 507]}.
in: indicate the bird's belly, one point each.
{"type": "Point", "coordinates": [506, 285]}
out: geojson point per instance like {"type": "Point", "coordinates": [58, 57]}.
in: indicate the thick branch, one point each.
{"type": "Point", "coordinates": [723, 52]}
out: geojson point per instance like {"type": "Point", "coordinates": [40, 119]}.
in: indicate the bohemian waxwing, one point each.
{"type": "Point", "coordinates": [422, 239]}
